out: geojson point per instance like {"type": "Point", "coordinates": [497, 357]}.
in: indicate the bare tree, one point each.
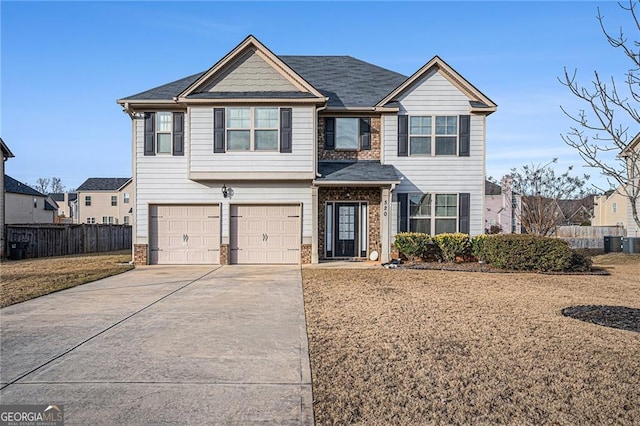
{"type": "Point", "coordinates": [42, 185]}
{"type": "Point", "coordinates": [601, 132]}
{"type": "Point", "coordinates": [541, 190]}
{"type": "Point", "coordinates": [56, 185]}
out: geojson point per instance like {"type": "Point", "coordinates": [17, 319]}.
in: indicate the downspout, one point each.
{"type": "Point", "coordinates": [315, 145]}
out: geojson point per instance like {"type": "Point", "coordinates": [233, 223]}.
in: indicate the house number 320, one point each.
{"type": "Point", "coordinates": [385, 208]}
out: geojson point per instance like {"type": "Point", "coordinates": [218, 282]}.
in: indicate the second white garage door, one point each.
{"type": "Point", "coordinates": [265, 234]}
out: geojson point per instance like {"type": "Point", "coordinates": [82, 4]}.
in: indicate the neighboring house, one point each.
{"type": "Point", "coordinates": [502, 208]}
{"type": "Point", "coordinates": [632, 155]}
{"type": "Point", "coordinates": [106, 201]}
{"type": "Point", "coordinates": [68, 206]}
{"type": "Point", "coordinates": [577, 211]}
{"type": "Point", "coordinates": [610, 209]}
{"type": "Point", "coordinates": [6, 154]}
{"type": "Point", "coordinates": [295, 159]}
{"type": "Point", "coordinates": [26, 205]}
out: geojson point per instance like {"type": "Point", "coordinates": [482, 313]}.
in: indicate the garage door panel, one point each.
{"type": "Point", "coordinates": [187, 234]}
{"type": "Point", "coordinates": [265, 234]}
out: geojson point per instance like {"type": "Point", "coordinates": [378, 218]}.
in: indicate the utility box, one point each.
{"type": "Point", "coordinates": [631, 245]}
{"type": "Point", "coordinates": [612, 244]}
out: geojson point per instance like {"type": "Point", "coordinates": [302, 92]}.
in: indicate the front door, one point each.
{"type": "Point", "coordinates": [345, 235]}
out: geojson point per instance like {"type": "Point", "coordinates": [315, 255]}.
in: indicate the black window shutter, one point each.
{"type": "Point", "coordinates": [178, 133]}
{"type": "Point", "coordinates": [464, 211]}
{"type": "Point", "coordinates": [218, 130]}
{"type": "Point", "coordinates": [149, 133]}
{"type": "Point", "coordinates": [403, 209]}
{"type": "Point", "coordinates": [286, 129]}
{"type": "Point", "coordinates": [464, 135]}
{"type": "Point", "coordinates": [365, 134]}
{"type": "Point", "coordinates": [329, 133]}
{"type": "Point", "coordinates": [403, 135]}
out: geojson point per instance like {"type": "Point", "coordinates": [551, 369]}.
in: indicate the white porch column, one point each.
{"type": "Point", "coordinates": [314, 225]}
{"type": "Point", "coordinates": [385, 229]}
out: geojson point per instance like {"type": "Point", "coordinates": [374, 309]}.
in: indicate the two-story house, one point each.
{"type": "Point", "coordinates": [295, 159]}
{"type": "Point", "coordinates": [631, 154]}
{"type": "Point", "coordinates": [67, 206]}
{"type": "Point", "coordinates": [503, 208]}
{"type": "Point", "coordinates": [108, 201]}
{"type": "Point", "coordinates": [26, 205]}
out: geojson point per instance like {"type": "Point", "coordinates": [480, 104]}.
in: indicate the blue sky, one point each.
{"type": "Point", "coordinates": [64, 64]}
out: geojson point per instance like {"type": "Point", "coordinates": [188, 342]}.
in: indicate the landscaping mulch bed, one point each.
{"type": "Point", "coordinates": [486, 268]}
{"type": "Point", "coordinates": [620, 317]}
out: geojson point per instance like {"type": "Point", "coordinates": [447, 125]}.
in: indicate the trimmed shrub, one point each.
{"type": "Point", "coordinates": [477, 246]}
{"type": "Point", "coordinates": [416, 246]}
{"type": "Point", "coordinates": [528, 253]}
{"type": "Point", "coordinates": [453, 246]}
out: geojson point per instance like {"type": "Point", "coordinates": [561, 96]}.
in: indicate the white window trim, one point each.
{"type": "Point", "coordinates": [87, 200]}
{"type": "Point", "coordinates": [252, 130]}
{"type": "Point", "coordinates": [335, 144]}
{"type": "Point", "coordinates": [433, 136]}
{"type": "Point", "coordinates": [169, 132]}
{"type": "Point", "coordinates": [114, 199]}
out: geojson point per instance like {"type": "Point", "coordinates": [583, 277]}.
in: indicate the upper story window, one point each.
{"type": "Point", "coordinates": [252, 129]}
{"type": "Point", "coordinates": [35, 203]}
{"type": "Point", "coordinates": [125, 197]}
{"type": "Point", "coordinates": [347, 134]}
{"type": "Point", "coordinates": [87, 200]}
{"type": "Point", "coordinates": [114, 200]}
{"type": "Point", "coordinates": [434, 135]}
{"type": "Point", "coordinates": [426, 139]}
{"type": "Point", "coordinates": [163, 133]}
{"type": "Point", "coordinates": [614, 207]}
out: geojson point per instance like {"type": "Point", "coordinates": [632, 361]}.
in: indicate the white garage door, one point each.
{"type": "Point", "coordinates": [265, 234]}
{"type": "Point", "coordinates": [188, 234]}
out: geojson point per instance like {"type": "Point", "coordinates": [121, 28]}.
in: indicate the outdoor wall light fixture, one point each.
{"type": "Point", "coordinates": [226, 192]}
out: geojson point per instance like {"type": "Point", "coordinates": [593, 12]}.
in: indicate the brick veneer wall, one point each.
{"type": "Point", "coordinates": [140, 254]}
{"type": "Point", "coordinates": [224, 254]}
{"type": "Point", "coordinates": [371, 154]}
{"type": "Point", "coordinates": [306, 254]}
{"type": "Point", "coordinates": [337, 194]}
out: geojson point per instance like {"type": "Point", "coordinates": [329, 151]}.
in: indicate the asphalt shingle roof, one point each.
{"type": "Point", "coordinates": [59, 196]}
{"type": "Point", "coordinates": [346, 81]}
{"type": "Point", "coordinates": [17, 187]}
{"type": "Point", "coordinates": [103, 184]}
{"type": "Point", "coordinates": [365, 171]}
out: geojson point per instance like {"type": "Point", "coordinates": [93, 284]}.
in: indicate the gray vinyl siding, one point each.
{"type": "Point", "coordinates": [162, 179]}
{"type": "Point", "coordinates": [435, 95]}
{"type": "Point", "coordinates": [251, 73]}
{"type": "Point", "coordinates": [202, 158]}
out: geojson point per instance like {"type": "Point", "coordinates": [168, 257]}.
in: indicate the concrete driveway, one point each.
{"type": "Point", "coordinates": [164, 345]}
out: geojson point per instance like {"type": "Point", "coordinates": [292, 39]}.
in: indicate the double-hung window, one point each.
{"type": "Point", "coordinates": [163, 132]}
{"type": "Point", "coordinates": [87, 200]}
{"type": "Point", "coordinates": [126, 198]}
{"type": "Point", "coordinates": [433, 213]}
{"type": "Point", "coordinates": [427, 139]}
{"type": "Point", "coordinates": [252, 129]}
{"type": "Point", "coordinates": [114, 200]}
{"type": "Point", "coordinates": [347, 134]}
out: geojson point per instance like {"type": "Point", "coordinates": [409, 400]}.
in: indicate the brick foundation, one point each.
{"type": "Point", "coordinates": [140, 254]}
{"type": "Point", "coordinates": [224, 254]}
{"type": "Point", "coordinates": [372, 196]}
{"type": "Point", "coordinates": [306, 254]}
{"type": "Point", "coordinates": [370, 154]}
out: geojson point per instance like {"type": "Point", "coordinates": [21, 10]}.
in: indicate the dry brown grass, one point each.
{"type": "Point", "coordinates": [434, 347]}
{"type": "Point", "coordinates": [22, 280]}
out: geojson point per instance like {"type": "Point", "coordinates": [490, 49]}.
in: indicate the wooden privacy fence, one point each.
{"type": "Point", "coordinates": [589, 237]}
{"type": "Point", "coordinates": [44, 240]}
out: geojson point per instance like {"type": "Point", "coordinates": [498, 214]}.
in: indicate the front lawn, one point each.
{"type": "Point", "coordinates": [22, 280]}
{"type": "Point", "coordinates": [416, 347]}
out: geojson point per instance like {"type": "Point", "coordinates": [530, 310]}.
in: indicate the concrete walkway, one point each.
{"type": "Point", "coordinates": [164, 345]}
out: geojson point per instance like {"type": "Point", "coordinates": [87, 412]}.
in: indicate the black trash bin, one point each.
{"type": "Point", "coordinates": [18, 250]}
{"type": "Point", "coordinates": [612, 244]}
{"type": "Point", "coordinates": [631, 245]}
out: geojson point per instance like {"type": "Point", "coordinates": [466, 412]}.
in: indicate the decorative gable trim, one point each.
{"type": "Point", "coordinates": [437, 64]}
{"type": "Point", "coordinates": [250, 43]}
